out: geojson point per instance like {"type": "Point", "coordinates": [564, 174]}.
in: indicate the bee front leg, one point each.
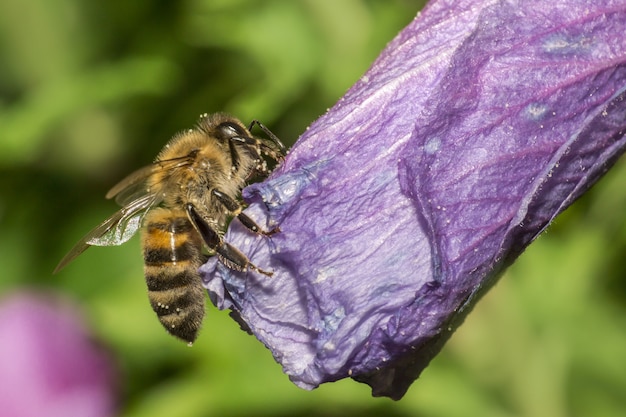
{"type": "Point", "coordinates": [235, 208]}
{"type": "Point", "coordinates": [228, 254]}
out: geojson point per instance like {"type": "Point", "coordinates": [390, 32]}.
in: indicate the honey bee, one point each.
{"type": "Point", "coordinates": [182, 202]}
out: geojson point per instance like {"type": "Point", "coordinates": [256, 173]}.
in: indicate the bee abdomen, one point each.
{"type": "Point", "coordinates": [172, 256]}
{"type": "Point", "coordinates": [184, 253]}
{"type": "Point", "coordinates": [179, 306]}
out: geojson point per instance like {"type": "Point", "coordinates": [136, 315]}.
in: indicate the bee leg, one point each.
{"type": "Point", "coordinates": [228, 254]}
{"type": "Point", "coordinates": [235, 208]}
{"type": "Point", "coordinates": [274, 139]}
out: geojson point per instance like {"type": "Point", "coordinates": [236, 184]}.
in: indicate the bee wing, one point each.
{"type": "Point", "coordinates": [136, 199]}
{"type": "Point", "coordinates": [115, 230]}
{"type": "Point", "coordinates": [134, 186]}
{"type": "Point", "coordinates": [122, 225]}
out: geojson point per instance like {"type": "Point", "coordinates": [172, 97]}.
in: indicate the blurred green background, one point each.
{"type": "Point", "coordinates": [92, 90]}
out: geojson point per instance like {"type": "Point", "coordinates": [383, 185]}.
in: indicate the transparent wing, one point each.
{"type": "Point", "coordinates": [134, 185]}
{"type": "Point", "coordinates": [136, 199]}
{"type": "Point", "coordinates": [121, 226]}
{"type": "Point", "coordinates": [115, 230]}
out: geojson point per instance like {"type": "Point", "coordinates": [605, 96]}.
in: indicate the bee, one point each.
{"type": "Point", "coordinates": [182, 203]}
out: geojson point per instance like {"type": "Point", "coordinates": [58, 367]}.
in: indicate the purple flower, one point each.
{"type": "Point", "coordinates": [49, 366]}
{"type": "Point", "coordinates": [398, 208]}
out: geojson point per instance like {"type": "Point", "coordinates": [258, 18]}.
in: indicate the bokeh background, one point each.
{"type": "Point", "coordinates": [89, 91]}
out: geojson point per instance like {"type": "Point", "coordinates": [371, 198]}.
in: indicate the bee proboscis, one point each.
{"type": "Point", "coordinates": [182, 202]}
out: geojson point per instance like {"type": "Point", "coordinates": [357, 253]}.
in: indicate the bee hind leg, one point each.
{"type": "Point", "coordinates": [228, 254]}
{"type": "Point", "coordinates": [234, 259]}
{"type": "Point", "coordinates": [235, 208]}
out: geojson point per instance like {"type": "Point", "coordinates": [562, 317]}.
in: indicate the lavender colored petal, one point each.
{"type": "Point", "coordinates": [50, 367]}
{"type": "Point", "coordinates": [398, 208]}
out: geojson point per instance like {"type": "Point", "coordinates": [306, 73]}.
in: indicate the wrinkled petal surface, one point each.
{"type": "Point", "coordinates": [398, 208]}
{"type": "Point", "coordinates": [49, 365]}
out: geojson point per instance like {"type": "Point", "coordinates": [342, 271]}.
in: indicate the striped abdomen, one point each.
{"type": "Point", "coordinates": [172, 256]}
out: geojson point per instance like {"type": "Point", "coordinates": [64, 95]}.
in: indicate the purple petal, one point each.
{"type": "Point", "coordinates": [49, 365]}
{"type": "Point", "coordinates": [398, 208]}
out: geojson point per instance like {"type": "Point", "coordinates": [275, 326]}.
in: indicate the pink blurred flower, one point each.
{"type": "Point", "coordinates": [49, 365]}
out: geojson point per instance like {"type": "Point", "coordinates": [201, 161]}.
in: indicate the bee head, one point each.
{"type": "Point", "coordinates": [231, 133]}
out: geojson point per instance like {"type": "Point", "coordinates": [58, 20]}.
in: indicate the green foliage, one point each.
{"type": "Point", "coordinates": [92, 90]}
